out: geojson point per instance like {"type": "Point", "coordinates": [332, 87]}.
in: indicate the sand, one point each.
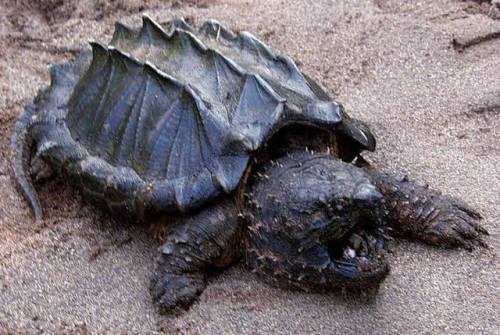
{"type": "Point", "coordinates": [425, 74]}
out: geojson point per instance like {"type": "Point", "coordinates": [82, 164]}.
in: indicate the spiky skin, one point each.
{"type": "Point", "coordinates": [302, 204]}
{"type": "Point", "coordinates": [166, 127]}
{"type": "Point", "coordinates": [417, 212]}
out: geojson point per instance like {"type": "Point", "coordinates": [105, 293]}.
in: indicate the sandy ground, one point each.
{"type": "Point", "coordinates": [425, 74]}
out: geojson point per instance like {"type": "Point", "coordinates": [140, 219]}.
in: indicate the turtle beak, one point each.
{"type": "Point", "coordinates": [367, 196]}
{"type": "Point", "coordinates": [357, 259]}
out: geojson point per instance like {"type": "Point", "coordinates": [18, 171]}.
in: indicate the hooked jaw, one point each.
{"type": "Point", "coordinates": [322, 229]}
{"type": "Point", "coordinates": [348, 253]}
{"type": "Point", "coordinates": [357, 261]}
{"type": "Point", "coordinates": [366, 195]}
{"type": "Point", "coordinates": [358, 258]}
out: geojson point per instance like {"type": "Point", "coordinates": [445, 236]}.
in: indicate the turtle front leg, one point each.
{"type": "Point", "coordinates": [195, 245]}
{"type": "Point", "coordinates": [415, 211]}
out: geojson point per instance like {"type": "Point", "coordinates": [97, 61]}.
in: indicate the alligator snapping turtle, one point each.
{"type": "Point", "coordinates": [236, 152]}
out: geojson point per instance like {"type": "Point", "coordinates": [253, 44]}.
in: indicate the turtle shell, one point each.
{"type": "Point", "coordinates": [165, 120]}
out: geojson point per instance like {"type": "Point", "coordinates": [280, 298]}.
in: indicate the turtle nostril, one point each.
{"type": "Point", "coordinates": [367, 194]}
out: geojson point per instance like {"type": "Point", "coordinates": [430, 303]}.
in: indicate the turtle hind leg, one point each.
{"type": "Point", "coordinates": [22, 146]}
{"type": "Point", "coordinates": [417, 212]}
{"type": "Point", "coordinates": [194, 246]}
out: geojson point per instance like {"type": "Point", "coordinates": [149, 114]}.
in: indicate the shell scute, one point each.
{"type": "Point", "coordinates": [174, 116]}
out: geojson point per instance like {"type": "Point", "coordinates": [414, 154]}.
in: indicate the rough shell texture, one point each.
{"type": "Point", "coordinates": [165, 121]}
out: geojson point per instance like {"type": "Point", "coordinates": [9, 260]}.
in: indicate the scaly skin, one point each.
{"type": "Point", "coordinates": [144, 142]}
{"type": "Point", "coordinates": [302, 206]}
{"type": "Point", "coordinates": [299, 210]}
{"type": "Point", "coordinates": [196, 244]}
{"type": "Point", "coordinates": [22, 142]}
{"type": "Point", "coordinates": [415, 211]}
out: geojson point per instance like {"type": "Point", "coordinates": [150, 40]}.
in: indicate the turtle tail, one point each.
{"type": "Point", "coordinates": [22, 144]}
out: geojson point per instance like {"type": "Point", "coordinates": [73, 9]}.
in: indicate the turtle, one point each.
{"type": "Point", "coordinates": [233, 153]}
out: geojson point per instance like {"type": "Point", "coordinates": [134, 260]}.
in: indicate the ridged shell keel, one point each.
{"type": "Point", "coordinates": [165, 120]}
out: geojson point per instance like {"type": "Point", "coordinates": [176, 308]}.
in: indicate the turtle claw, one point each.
{"type": "Point", "coordinates": [455, 227]}
{"type": "Point", "coordinates": [419, 212]}
{"type": "Point", "coordinates": [174, 291]}
{"type": "Point", "coordinates": [193, 245]}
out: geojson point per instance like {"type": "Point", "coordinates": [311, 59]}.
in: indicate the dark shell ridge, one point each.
{"type": "Point", "coordinates": [173, 117]}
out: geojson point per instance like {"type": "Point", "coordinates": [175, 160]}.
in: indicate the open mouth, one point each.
{"type": "Point", "coordinates": [359, 253]}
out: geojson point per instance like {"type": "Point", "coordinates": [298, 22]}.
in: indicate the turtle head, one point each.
{"type": "Point", "coordinates": [316, 223]}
